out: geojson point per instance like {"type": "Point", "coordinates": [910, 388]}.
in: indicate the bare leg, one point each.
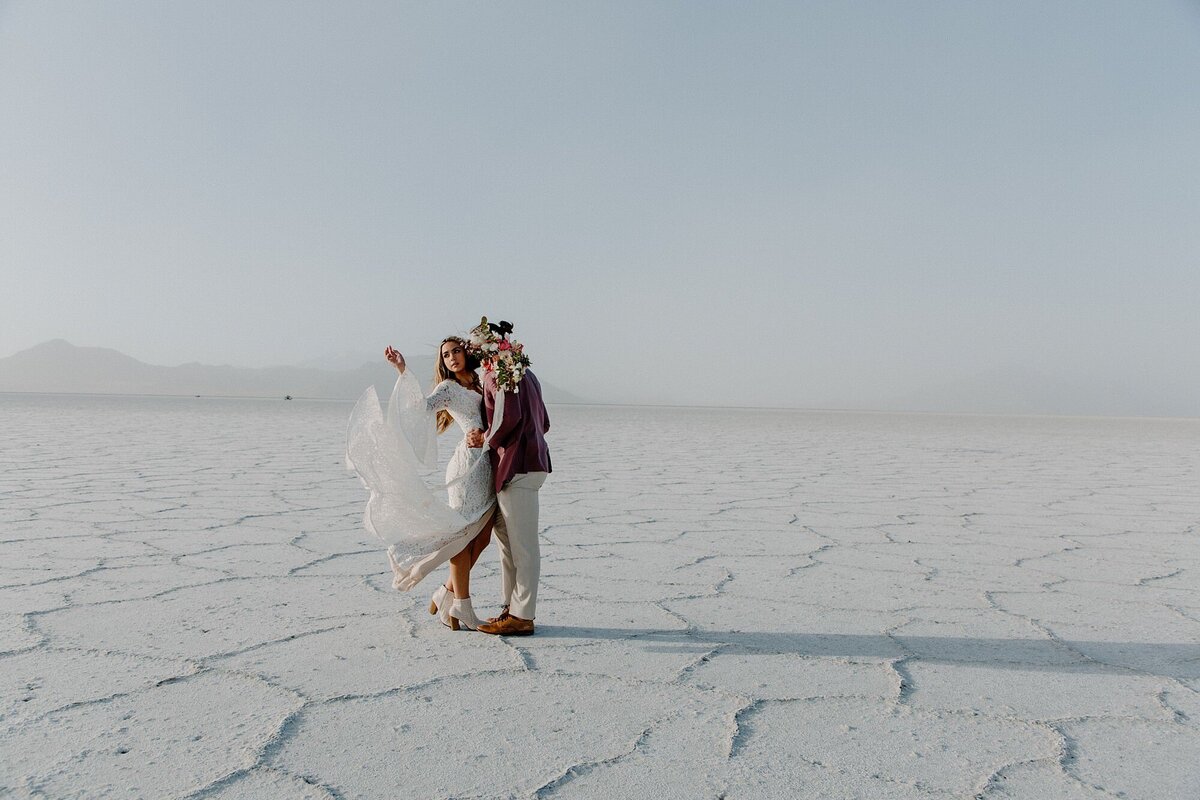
{"type": "Point", "coordinates": [460, 573]}
{"type": "Point", "coordinates": [460, 565]}
{"type": "Point", "coordinates": [482, 539]}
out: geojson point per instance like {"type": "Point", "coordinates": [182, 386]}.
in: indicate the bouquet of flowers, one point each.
{"type": "Point", "coordinates": [505, 358]}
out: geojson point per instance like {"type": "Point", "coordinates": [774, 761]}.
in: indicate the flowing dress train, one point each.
{"type": "Point", "coordinates": [423, 525]}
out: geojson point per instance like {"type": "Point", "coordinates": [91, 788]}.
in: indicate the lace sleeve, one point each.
{"type": "Point", "coordinates": [409, 415]}
{"type": "Point", "coordinates": [439, 398]}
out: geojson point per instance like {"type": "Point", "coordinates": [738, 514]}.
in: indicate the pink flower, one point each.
{"type": "Point", "coordinates": [504, 345]}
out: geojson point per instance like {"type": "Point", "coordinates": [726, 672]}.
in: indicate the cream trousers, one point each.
{"type": "Point", "coordinates": [517, 537]}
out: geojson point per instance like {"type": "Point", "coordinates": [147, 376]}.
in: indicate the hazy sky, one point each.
{"type": "Point", "coordinates": [699, 202]}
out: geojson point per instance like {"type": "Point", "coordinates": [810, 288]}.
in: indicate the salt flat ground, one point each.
{"type": "Point", "coordinates": [735, 604]}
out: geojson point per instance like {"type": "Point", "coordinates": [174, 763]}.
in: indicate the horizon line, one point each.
{"type": "Point", "coordinates": [793, 409]}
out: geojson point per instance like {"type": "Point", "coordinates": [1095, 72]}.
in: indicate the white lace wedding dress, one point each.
{"type": "Point", "coordinates": [423, 525]}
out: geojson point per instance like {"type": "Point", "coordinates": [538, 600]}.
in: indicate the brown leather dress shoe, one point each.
{"type": "Point", "coordinates": [502, 615]}
{"type": "Point", "coordinates": [508, 625]}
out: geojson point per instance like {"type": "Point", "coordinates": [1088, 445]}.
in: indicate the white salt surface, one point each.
{"type": "Point", "coordinates": [734, 604]}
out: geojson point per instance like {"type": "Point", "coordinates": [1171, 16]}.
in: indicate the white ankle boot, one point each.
{"type": "Point", "coordinates": [439, 599]}
{"type": "Point", "coordinates": [460, 613]}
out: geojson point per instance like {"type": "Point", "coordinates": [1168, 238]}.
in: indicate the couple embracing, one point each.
{"type": "Point", "coordinates": [492, 480]}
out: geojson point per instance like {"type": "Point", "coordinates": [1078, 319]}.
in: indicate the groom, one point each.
{"type": "Point", "coordinates": [520, 463]}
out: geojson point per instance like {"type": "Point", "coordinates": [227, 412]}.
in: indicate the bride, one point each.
{"type": "Point", "coordinates": [422, 529]}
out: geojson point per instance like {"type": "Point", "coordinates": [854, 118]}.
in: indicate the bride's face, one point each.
{"type": "Point", "coordinates": [454, 356]}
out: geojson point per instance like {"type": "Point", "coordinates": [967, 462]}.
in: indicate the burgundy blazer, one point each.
{"type": "Point", "coordinates": [519, 446]}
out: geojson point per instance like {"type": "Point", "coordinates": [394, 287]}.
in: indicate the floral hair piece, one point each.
{"type": "Point", "coordinates": [505, 358]}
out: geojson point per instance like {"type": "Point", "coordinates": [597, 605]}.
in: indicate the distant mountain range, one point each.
{"type": "Point", "coordinates": [59, 366]}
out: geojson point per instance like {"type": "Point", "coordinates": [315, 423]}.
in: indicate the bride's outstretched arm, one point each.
{"type": "Point", "coordinates": [412, 415]}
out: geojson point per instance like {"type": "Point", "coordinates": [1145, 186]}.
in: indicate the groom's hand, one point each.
{"type": "Point", "coordinates": [475, 438]}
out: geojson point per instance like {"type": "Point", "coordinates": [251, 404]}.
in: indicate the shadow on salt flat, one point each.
{"type": "Point", "coordinates": [1178, 660]}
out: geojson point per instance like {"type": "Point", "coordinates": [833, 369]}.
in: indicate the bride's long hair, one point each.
{"type": "Point", "coordinates": [440, 373]}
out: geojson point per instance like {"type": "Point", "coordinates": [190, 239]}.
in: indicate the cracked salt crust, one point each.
{"type": "Point", "coordinates": [888, 606]}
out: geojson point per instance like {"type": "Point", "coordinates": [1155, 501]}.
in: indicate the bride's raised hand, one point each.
{"type": "Point", "coordinates": [393, 355]}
